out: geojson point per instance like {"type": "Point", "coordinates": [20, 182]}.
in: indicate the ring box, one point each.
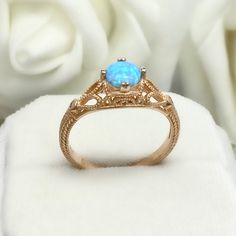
{"type": "Point", "coordinates": [190, 193]}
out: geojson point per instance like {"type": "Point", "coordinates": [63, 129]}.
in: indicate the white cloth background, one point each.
{"type": "Point", "coordinates": [190, 193]}
{"type": "Point", "coordinates": [60, 46]}
{"type": "Point", "coordinates": [208, 64]}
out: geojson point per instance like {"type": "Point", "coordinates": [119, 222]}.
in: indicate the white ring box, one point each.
{"type": "Point", "coordinates": [190, 193]}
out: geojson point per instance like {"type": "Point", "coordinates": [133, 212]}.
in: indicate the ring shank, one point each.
{"type": "Point", "coordinates": [154, 158]}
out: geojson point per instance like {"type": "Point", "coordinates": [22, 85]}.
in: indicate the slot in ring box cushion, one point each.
{"type": "Point", "coordinates": [190, 193]}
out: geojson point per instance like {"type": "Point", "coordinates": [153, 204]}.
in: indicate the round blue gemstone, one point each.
{"type": "Point", "coordinates": [123, 72]}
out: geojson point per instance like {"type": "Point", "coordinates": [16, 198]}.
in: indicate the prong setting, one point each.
{"type": "Point", "coordinates": [125, 87]}
{"type": "Point", "coordinates": [123, 71]}
{"type": "Point", "coordinates": [143, 72]}
{"type": "Point", "coordinates": [121, 59]}
{"type": "Point", "coordinates": [103, 75]}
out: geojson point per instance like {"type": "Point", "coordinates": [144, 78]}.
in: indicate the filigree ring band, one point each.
{"type": "Point", "coordinates": [122, 85]}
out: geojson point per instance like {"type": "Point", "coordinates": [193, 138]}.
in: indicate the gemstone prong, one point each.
{"type": "Point", "coordinates": [103, 75]}
{"type": "Point", "coordinates": [143, 72]}
{"type": "Point", "coordinates": [125, 87]}
{"type": "Point", "coordinates": [121, 59]}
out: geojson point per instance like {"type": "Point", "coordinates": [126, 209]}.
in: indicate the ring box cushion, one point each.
{"type": "Point", "coordinates": [190, 193]}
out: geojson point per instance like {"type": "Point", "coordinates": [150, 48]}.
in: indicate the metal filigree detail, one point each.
{"type": "Point", "coordinates": [101, 95]}
{"type": "Point", "coordinates": [104, 98]}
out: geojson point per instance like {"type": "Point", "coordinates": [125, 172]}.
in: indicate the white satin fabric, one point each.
{"type": "Point", "coordinates": [208, 65]}
{"type": "Point", "coordinates": [60, 46]}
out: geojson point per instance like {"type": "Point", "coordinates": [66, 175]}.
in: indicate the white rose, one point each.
{"type": "Point", "coordinates": [208, 65]}
{"type": "Point", "coordinates": [60, 46]}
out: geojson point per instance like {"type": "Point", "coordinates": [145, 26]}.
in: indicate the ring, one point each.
{"type": "Point", "coordinates": [121, 85]}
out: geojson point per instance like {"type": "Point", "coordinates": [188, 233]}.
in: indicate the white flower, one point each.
{"type": "Point", "coordinates": [59, 46]}
{"type": "Point", "coordinates": [208, 65]}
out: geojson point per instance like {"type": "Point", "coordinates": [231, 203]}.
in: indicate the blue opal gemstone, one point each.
{"type": "Point", "coordinates": [123, 72]}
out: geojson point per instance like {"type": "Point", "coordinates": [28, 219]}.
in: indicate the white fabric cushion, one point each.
{"type": "Point", "coordinates": [190, 193]}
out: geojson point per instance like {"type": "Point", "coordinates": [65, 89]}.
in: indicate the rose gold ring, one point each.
{"type": "Point", "coordinates": [122, 85]}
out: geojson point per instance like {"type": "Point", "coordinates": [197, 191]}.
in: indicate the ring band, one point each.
{"type": "Point", "coordinates": [122, 85]}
